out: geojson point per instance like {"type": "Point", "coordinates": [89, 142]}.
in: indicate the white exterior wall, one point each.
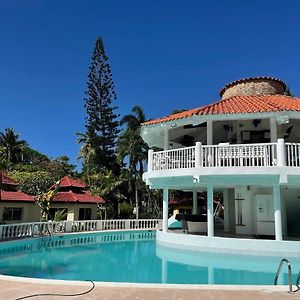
{"type": "Point", "coordinates": [31, 212]}
{"type": "Point", "coordinates": [249, 208]}
{"type": "Point", "coordinates": [73, 209]}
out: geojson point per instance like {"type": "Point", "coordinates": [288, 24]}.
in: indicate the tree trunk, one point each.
{"type": "Point", "coordinates": [136, 204]}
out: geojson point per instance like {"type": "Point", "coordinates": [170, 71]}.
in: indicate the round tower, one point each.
{"type": "Point", "coordinates": [253, 86]}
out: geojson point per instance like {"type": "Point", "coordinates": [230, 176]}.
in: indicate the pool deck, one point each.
{"type": "Point", "coordinates": [15, 289]}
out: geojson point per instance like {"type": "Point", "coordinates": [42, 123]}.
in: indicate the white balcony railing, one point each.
{"type": "Point", "coordinates": [293, 154]}
{"type": "Point", "coordinates": [183, 158]}
{"type": "Point", "coordinates": [21, 230]}
{"type": "Point", "coordinates": [222, 156]}
{"type": "Point", "coordinates": [249, 155]}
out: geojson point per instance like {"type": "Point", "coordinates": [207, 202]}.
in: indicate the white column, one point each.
{"type": "Point", "coordinates": [195, 202]}
{"type": "Point", "coordinates": [165, 209]}
{"type": "Point", "coordinates": [210, 211]}
{"type": "Point", "coordinates": [277, 212]}
{"type": "Point", "coordinates": [166, 138]}
{"type": "Point", "coordinates": [198, 155]}
{"type": "Point", "coordinates": [150, 160]}
{"type": "Point", "coordinates": [209, 132]}
{"type": "Point", "coordinates": [273, 130]}
{"type": "Point", "coordinates": [281, 159]}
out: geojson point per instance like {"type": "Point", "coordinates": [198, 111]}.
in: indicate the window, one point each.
{"type": "Point", "coordinates": [12, 213]}
{"type": "Point", "coordinates": [85, 213]}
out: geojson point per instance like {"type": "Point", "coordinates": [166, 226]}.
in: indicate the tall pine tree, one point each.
{"type": "Point", "coordinates": [101, 121]}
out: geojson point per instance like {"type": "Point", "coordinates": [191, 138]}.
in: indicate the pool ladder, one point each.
{"type": "Point", "coordinates": [284, 260]}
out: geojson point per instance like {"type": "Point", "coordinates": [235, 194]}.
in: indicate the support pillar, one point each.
{"type": "Point", "coordinates": [166, 138]}
{"type": "Point", "coordinates": [281, 157]}
{"type": "Point", "coordinates": [150, 160]}
{"type": "Point", "coordinates": [277, 212]}
{"type": "Point", "coordinates": [165, 209]}
{"type": "Point", "coordinates": [195, 202]}
{"type": "Point", "coordinates": [198, 155]}
{"type": "Point", "coordinates": [210, 211]}
{"type": "Point", "coordinates": [209, 132]}
{"type": "Point", "coordinates": [273, 130]}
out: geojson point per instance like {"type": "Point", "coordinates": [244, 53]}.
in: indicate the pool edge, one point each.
{"type": "Point", "coordinates": [273, 288]}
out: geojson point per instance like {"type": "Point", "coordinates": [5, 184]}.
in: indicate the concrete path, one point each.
{"type": "Point", "coordinates": [10, 290]}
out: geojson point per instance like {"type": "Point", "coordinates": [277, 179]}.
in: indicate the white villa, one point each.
{"type": "Point", "coordinates": [247, 146]}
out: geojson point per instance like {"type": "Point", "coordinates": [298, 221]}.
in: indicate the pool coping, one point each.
{"type": "Point", "coordinates": [30, 280]}
{"type": "Point", "coordinates": [273, 288]}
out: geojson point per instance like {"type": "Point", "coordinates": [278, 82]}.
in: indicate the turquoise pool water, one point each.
{"type": "Point", "coordinates": [131, 257]}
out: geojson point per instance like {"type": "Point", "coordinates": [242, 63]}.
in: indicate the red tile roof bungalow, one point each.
{"type": "Point", "coordinates": [73, 198]}
{"type": "Point", "coordinates": [16, 206]}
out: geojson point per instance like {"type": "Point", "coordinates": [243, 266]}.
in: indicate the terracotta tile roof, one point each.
{"type": "Point", "coordinates": [67, 181]}
{"type": "Point", "coordinates": [15, 196]}
{"type": "Point", "coordinates": [6, 180]}
{"type": "Point", "coordinates": [238, 105]}
{"type": "Point", "coordinates": [82, 197]}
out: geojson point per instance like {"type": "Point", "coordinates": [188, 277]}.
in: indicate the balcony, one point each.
{"type": "Point", "coordinates": [270, 155]}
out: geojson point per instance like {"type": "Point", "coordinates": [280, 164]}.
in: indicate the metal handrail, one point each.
{"type": "Point", "coordinates": [297, 280]}
{"type": "Point", "coordinates": [284, 260]}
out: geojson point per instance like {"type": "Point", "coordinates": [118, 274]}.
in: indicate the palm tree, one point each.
{"type": "Point", "coordinates": [11, 148]}
{"type": "Point", "coordinates": [86, 152]}
{"type": "Point", "coordinates": [130, 143]}
{"type": "Point", "coordinates": [131, 146]}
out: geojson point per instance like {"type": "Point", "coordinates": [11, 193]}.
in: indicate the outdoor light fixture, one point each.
{"type": "Point", "coordinates": [282, 120]}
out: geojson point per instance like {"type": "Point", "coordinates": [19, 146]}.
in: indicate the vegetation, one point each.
{"type": "Point", "coordinates": [44, 202]}
{"type": "Point", "coordinates": [11, 147]}
{"type": "Point", "coordinates": [33, 183]}
{"type": "Point", "coordinates": [101, 121]}
{"type": "Point", "coordinates": [113, 161]}
{"type": "Point", "coordinates": [131, 147]}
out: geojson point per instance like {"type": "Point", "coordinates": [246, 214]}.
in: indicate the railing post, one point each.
{"type": "Point", "coordinates": [68, 226]}
{"type": "Point", "coordinates": [281, 159]}
{"type": "Point", "coordinates": [198, 156]}
{"type": "Point", "coordinates": [99, 225]}
{"type": "Point", "coordinates": [150, 160]}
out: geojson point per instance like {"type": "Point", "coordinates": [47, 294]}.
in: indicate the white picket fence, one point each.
{"type": "Point", "coordinates": [21, 230]}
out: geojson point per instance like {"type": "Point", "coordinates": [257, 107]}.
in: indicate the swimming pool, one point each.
{"type": "Point", "coordinates": [131, 257]}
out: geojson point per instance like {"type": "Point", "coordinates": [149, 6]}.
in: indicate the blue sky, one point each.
{"type": "Point", "coordinates": [164, 55]}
